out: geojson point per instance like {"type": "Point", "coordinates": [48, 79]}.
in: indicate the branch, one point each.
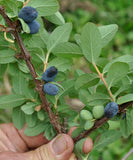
{"type": "Point", "coordinates": [26, 56]}
{"type": "Point", "coordinates": [100, 122]}
{"type": "Point", "coordinates": [128, 154]}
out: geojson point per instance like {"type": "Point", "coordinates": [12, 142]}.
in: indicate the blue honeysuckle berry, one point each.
{"type": "Point", "coordinates": [50, 89]}
{"type": "Point", "coordinates": [34, 27]}
{"type": "Point", "coordinates": [28, 14]}
{"type": "Point", "coordinates": [50, 74]}
{"type": "Point", "coordinates": [111, 110]}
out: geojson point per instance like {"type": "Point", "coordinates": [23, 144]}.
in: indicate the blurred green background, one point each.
{"type": "Point", "coordinates": [101, 12]}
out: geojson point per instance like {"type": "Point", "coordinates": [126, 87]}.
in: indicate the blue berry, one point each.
{"type": "Point", "coordinates": [50, 89]}
{"type": "Point", "coordinates": [50, 74]}
{"type": "Point", "coordinates": [111, 110]}
{"type": "Point", "coordinates": [34, 27]}
{"type": "Point", "coordinates": [28, 14]}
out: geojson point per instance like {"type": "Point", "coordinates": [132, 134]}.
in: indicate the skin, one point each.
{"type": "Point", "coordinates": [15, 145]}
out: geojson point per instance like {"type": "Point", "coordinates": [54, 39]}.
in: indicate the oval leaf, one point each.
{"type": "Point", "coordinates": [7, 56]}
{"type": "Point", "coordinates": [91, 42]}
{"type": "Point", "coordinates": [45, 8]}
{"type": "Point", "coordinates": [107, 33]}
{"type": "Point", "coordinates": [60, 34]}
{"type": "Point", "coordinates": [86, 80]}
{"type": "Point", "coordinates": [56, 18]}
{"type": "Point", "coordinates": [67, 50]}
{"type": "Point", "coordinates": [116, 72]}
{"type": "Point", "coordinates": [18, 118]}
{"type": "Point", "coordinates": [10, 101]}
{"type": "Point", "coordinates": [124, 99]}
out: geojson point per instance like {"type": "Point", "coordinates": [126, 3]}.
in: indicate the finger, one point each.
{"type": "Point", "coordinates": [16, 141]}
{"type": "Point", "coordinates": [88, 144]}
{"type": "Point", "coordinates": [60, 148]}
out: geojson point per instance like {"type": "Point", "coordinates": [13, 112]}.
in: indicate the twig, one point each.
{"type": "Point", "coordinates": [100, 122]}
{"type": "Point", "coordinates": [46, 61]}
{"type": "Point", "coordinates": [102, 78]}
{"type": "Point", "coordinates": [27, 58]}
{"type": "Point", "coordinates": [128, 154]}
{"type": "Point", "coordinates": [25, 3]}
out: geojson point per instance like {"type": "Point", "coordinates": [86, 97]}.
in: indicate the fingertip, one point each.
{"type": "Point", "coordinates": [88, 145]}
{"type": "Point", "coordinates": [71, 130]}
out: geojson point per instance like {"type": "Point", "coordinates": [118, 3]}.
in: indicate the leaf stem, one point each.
{"type": "Point", "coordinates": [46, 61]}
{"type": "Point", "coordinates": [102, 78]}
{"type": "Point", "coordinates": [25, 3]}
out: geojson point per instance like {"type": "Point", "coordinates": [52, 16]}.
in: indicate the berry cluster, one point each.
{"type": "Point", "coordinates": [110, 110]}
{"type": "Point", "coordinates": [29, 14]}
{"type": "Point", "coordinates": [88, 117]}
{"type": "Point", "coordinates": [48, 76]}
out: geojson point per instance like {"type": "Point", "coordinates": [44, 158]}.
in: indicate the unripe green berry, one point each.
{"type": "Point", "coordinates": [88, 125]}
{"type": "Point", "coordinates": [86, 115]}
{"type": "Point", "coordinates": [98, 111]}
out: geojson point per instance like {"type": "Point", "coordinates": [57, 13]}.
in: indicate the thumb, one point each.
{"type": "Point", "coordinates": [60, 148]}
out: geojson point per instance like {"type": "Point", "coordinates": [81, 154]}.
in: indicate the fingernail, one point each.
{"type": "Point", "coordinates": [59, 145]}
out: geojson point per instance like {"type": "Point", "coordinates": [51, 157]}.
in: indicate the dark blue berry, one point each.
{"type": "Point", "coordinates": [34, 27]}
{"type": "Point", "coordinates": [111, 110]}
{"type": "Point", "coordinates": [50, 89]}
{"type": "Point", "coordinates": [50, 74]}
{"type": "Point", "coordinates": [28, 14]}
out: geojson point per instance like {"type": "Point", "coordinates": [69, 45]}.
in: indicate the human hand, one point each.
{"type": "Point", "coordinates": [15, 145]}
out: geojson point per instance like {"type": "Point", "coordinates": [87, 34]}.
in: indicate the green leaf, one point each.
{"type": "Point", "coordinates": [77, 131]}
{"type": "Point", "coordinates": [93, 99]}
{"type": "Point", "coordinates": [78, 149]}
{"type": "Point", "coordinates": [36, 130]}
{"type": "Point", "coordinates": [125, 58]}
{"type": "Point", "coordinates": [28, 108]}
{"type": "Point", "coordinates": [49, 132]}
{"type": "Point", "coordinates": [62, 64]}
{"type": "Point", "coordinates": [41, 115]}
{"type": "Point", "coordinates": [45, 8]}
{"type": "Point", "coordinates": [91, 42]}
{"type": "Point", "coordinates": [11, 7]}
{"type": "Point", "coordinates": [124, 99]}
{"type": "Point", "coordinates": [10, 101]}
{"type": "Point", "coordinates": [68, 50]}
{"type": "Point", "coordinates": [77, 38]}
{"type": "Point", "coordinates": [107, 138]}
{"type": "Point", "coordinates": [107, 33]}
{"type": "Point", "coordinates": [19, 83]}
{"type": "Point", "coordinates": [7, 56]}
{"type": "Point", "coordinates": [67, 85]}
{"type": "Point", "coordinates": [126, 125]}
{"type": "Point", "coordinates": [3, 68]}
{"type": "Point", "coordinates": [98, 99]}
{"type": "Point", "coordinates": [86, 80]}
{"type": "Point", "coordinates": [31, 120]}
{"type": "Point", "coordinates": [56, 18]}
{"type": "Point", "coordinates": [83, 96]}
{"type": "Point", "coordinates": [23, 67]}
{"type": "Point", "coordinates": [116, 72]}
{"type": "Point", "coordinates": [59, 35]}
{"type": "Point", "coordinates": [18, 118]}
{"type": "Point", "coordinates": [24, 26]}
